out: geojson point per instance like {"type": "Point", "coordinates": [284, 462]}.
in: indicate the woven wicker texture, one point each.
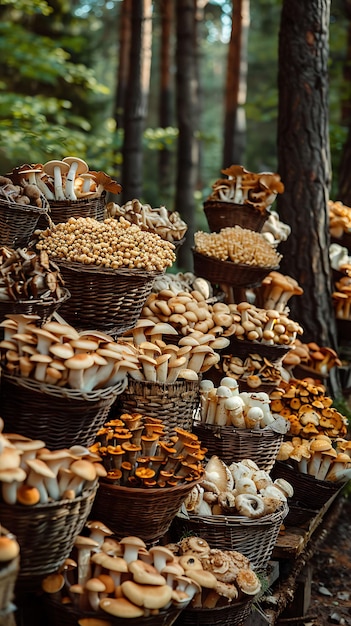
{"type": "Point", "coordinates": [174, 403]}
{"type": "Point", "coordinates": [255, 538]}
{"type": "Point", "coordinates": [235, 444]}
{"type": "Point", "coordinates": [308, 491]}
{"type": "Point", "coordinates": [61, 211]}
{"type": "Point", "coordinates": [226, 272]}
{"type": "Point", "coordinates": [243, 347]}
{"type": "Point", "coordinates": [60, 417]}
{"type": "Point", "coordinates": [298, 515]}
{"type": "Point", "coordinates": [67, 615]}
{"type": "Point", "coordinates": [103, 298]}
{"type": "Point", "coordinates": [44, 308]}
{"type": "Point", "coordinates": [146, 513]}
{"type": "Point", "coordinates": [8, 576]}
{"type": "Point", "coordinates": [45, 533]}
{"type": "Point", "coordinates": [233, 614]}
{"type": "Point", "coordinates": [228, 214]}
{"type": "Point", "coordinates": [18, 223]}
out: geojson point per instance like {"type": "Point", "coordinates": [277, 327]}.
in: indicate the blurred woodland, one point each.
{"type": "Point", "coordinates": [163, 94]}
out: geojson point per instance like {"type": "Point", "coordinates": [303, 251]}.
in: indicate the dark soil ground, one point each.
{"type": "Point", "coordinates": [331, 576]}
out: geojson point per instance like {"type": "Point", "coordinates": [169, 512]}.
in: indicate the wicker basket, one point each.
{"type": "Point", "coordinates": [235, 444]}
{"type": "Point", "coordinates": [309, 492]}
{"type": "Point", "coordinates": [243, 348]}
{"type": "Point", "coordinates": [226, 272]}
{"type": "Point", "coordinates": [233, 614]}
{"type": "Point", "coordinates": [254, 538]}
{"type": "Point", "coordinates": [173, 403]}
{"type": "Point", "coordinates": [8, 577]}
{"type": "Point", "coordinates": [44, 308]}
{"type": "Point", "coordinates": [103, 298]}
{"type": "Point", "coordinates": [228, 214]}
{"type": "Point", "coordinates": [147, 513]}
{"type": "Point", "coordinates": [62, 210]}
{"type": "Point", "coordinates": [61, 614]}
{"type": "Point", "coordinates": [60, 417]}
{"type": "Point", "coordinates": [18, 223]}
{"type": "Point", "coordinates": [45, 533]}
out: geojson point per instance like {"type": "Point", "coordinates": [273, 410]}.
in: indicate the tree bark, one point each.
{"type": "Point", "coordinates": [344, 191]}
{"type": "Point", "coordinates": [304, 162]}
{"type": "Point", "coordinates": [187, 108]}
{"type": "Point", "coordinates": [236, 87]}
{"type": "Point", "coordinates": [137, 98]}
{"type": "Point", "coordinates": [123, 61]}
{"type": "Point", "coordinates": [165, 100]}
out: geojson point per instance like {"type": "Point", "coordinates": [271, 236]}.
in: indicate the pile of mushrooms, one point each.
{"type": "Point", "coordinates": [31, 474]}
{"type": "Point", "coordinates": [23, 193]}
{"type": "Point", "coordinates": [254, 370]}
{"type": "Point", "coordinates": [111, 243]}
{"type": "Point", "coordinates": [167, 224]}
{"type": "Point", "coordinates": [26, 275]}
{"type": "Point", "coordinates": [321, 457]}
{"type": "Point", "coordinates": [275, 291]}
{"type": "Point", "coordinates": [240, 489]}
{"type": "Point", "coordinates": [342, 298]}
{"type": "Point", "coordinates": [226, 406]}
{"type": "Point", "coordinates": [320, 359]}
{"type": "Point", "coordinates": [243, 187]}
{"type": "Point", "coordinates": [183, 282]}
{"type": "Point", "coordinates": [124, 579]}
{"type": "Point", "coordinates": [57, 354]}
{"type": "Point", "coordinates": [274, 230]}
{"type": "Point", "coordinates": [164, 363]}
{"type": "Point", "coordinates": [63, 180]}
{"type": "Point", "coordinates": [190, 313]}
{"type": "Point", "coordinates": [136, 451]}
{"type": "Point", "coordinates": [308, 410]}
{"type": "Point", "coordinates": [340, 259]}
{"type": "Point", "coordinates": [238, 245]}
{"type": "Point", "coordinates": [339, 218]}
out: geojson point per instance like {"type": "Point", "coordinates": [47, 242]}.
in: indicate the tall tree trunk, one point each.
{"type": "Point", "coordinates": [187, 108]}
{"type": "Point", "coordinates": [123, 61]}
{"type": "Point", "coordinates": [304, 162]}
{"type": "Point", "coordinates": [165, 101]}
{"type": "Point", "coordinates": [137, 98]}
{"type": "Point", "coordinates": [235, 91]}
{"type": "Point", "coordinates": [344, 193]}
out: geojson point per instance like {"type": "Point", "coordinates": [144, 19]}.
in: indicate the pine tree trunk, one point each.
{"type": "Point", "coordinates": [187, 108]}
{"type": "Point", "coordinates": [304, 162]}
{"type": "Point", "coordinates": [137, 98]}
{"type": "Point", "coordinates": [123, 61]}
{"type": "Point", "coordinates": [344, 192]}
{"type": "Point", "coordinates": [235, 92]}
{"type": "Point", "coordinates": [165, 101]}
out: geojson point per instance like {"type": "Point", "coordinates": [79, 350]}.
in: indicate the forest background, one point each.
{"type": "Point", "coordinates": [64, 74]}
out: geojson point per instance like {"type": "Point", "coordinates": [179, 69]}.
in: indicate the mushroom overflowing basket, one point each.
{"type": "Point", "coordinates": [108, 267]}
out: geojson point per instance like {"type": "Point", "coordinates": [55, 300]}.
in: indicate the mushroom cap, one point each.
{"type": "Point", "coordinates": [84, 469]}
{"type": "Point", "coordinates": [80, 361]}
{"type": "Point", "coordinates": [82, 165]}
{"type": "Point", "coordinates": [40, 467]}
{"type": "Point", "coordinates": [120, 607]}
{"type": "Point", "coordinates": [9, 548]}
{"type": "Point", "coordinates": [28, 495]}
{"type": "Point", "coordinates": [132, 540]}
{"type": "Point", "coordinates": [202, 577]}
{"type": "Point", "coordinates": [62, 350]}
{"type": "Point", "coordinates": [148, 596]}
{"type": "Point", "coordinates": [49, 167]}
{"type": "Point", "coordinates": [94, 525]}
{"type": "Point", "coordinates": [145, 573]}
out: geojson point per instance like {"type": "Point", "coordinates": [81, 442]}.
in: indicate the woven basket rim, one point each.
{"type": "Point", "coordinates": [100, 269]}
{"type": "Point", "coordinates": [218, 609]}
{"type": "Point", "coordinates": [64, 203]}
{"type": "Point", "coordinates": [308, 477]}
{"type": "Point", "coordinates": [256, 434]}
{"type": "Point", "coordinates": [240, 520]}
{"type": "Point", "coordinates": [246, 343]}
{"type": "Point", "coordinates": [48, 506]}
{"type": "Point", "coordinates": [236, 205]}
{"type": "Point", "coordinates": [25, 208]}
{"type": "Point", "coordinates": [64, 392]}
{"type": "Point", "coordinates": [40, 302]}
{"type": "Point", "coordinates": [232, 265]}
{"type": "Point", "coordinates": [152, 491]}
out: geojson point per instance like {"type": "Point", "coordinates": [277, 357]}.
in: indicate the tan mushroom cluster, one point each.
{"type": "Point", "coordinates": [225, 406]}
{"type": "Point", "coordinates": [31, 474]}
{"type": "Point", "coordinates": [183, 282]}
{"type": "Point", "coordinates": [56, 354]}
{"type": "Point", "coordinates": [321, 359]}
{"type": "Point", "coordinates": [321, 457]}
{"type": "Point", "coordinates": [162, 362]}
{"type": "Point", "coordinates": [254, 370]}
{"type": "Point", "coordinates": [238, 245]}
{"type": "Point", "coordinates": [244, 187]}
{"type": "Point", "coordinates": [136, 451]}
{"type": "Point", "coordinates": [275, 291]}
{"type": "Point", "coordinates": [342, 298]}
{"type": "Point", "coordinates": [240, 489]}
{"type": "Point", "coordinates": [62, 180]}
{"type": "Point", "coordinates": [274, 230]}
{"type": "Point", "coordinates": [339, 218]}
{"type": "Point", "coordinates": [308, 410]}
{"type": "Point", "coordinates": [26, 275]}
{"type": "Point", "coordinates": [167, 224]}
{"type": "Point", "coordinates": [225, 576]}
{"type": "Point", "coordinates": [111, 243]}
{"type": "Point", "coordinates": [266, 326]}
{"type": "Point", "coordinates": [22, 193]}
